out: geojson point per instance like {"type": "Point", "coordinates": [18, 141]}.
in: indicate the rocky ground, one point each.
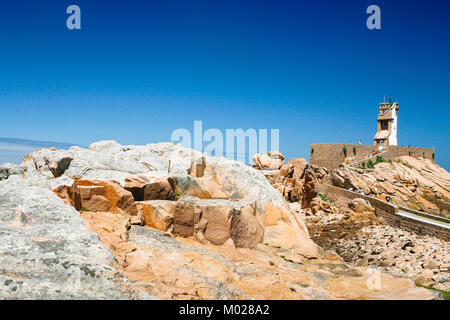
{"type": "Point", "coordinates": [161, 221]}
{"type": "Point", "coordinates": [356, 234]}
{"type": "Point", "coordinates": [182, 268]}
{"type": "Point", "coordinates": [418, 184]}
{"type": "Point", "coordinates": [364, 240]}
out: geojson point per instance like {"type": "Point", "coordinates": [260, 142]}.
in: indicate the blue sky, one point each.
{"type": "Point", "coordinates": [137, 70]}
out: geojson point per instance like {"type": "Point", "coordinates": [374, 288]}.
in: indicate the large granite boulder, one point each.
{"type": "Point", "coordinates": [9, 169]}
{"type": "Point", "coordinates": [270, 161]}
{"type": "Point", "coordinates": [46, 252]}
{"type": "Point", "coordinates": [110, 177]}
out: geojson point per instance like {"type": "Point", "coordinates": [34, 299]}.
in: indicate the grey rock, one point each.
{"type": "Point", "coordinates": [9, 169]}
{"type": "Point", "coordinates": [46, 251]}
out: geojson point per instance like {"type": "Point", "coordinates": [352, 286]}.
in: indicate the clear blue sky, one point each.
{"type": "Point", "coordinates": [140, 69]}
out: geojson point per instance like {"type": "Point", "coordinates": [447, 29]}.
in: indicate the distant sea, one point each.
{"type": "Point", "coordinates": [13, 150]}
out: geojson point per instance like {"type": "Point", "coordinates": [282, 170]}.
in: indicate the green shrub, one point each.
{"type": "Point", "coordinates": [354, 151]}
{"type": "Point", "coordinates": [324, 199]}
{"type": "Point", "coordinates": [445, 294]}
{"type": "Point", "coordinates": [345, 150]}
{"type": "Point", "coordinates": [405, 164]}
{"type": "Point", "coordinates": [363, 164]}
{"type": "Point", "coordinates": [312, 150]}
{"type": "Point", "coordinates": [433, 155]}
{"type": "Point", "coordinates": [380, 159]}
{"type": "Point", "coordinates": [370, 164]}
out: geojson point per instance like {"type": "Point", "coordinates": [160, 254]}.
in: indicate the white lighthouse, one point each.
{"type": "Point", "coordinates": [387, 125]}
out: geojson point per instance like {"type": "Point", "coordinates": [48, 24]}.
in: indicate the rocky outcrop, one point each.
{"type": "Point", "coordinates": [319, 204]}
{"type": "Point", "coordinates": [219, 201]}
{"type": "Point", "coordinates": [184, 268]}
{"type": "Point", "coordinates": [294, 180]}
{"type": "Point", "coordinates": [421, 258]}
{"type": "Point", "coordinates": [361, 239]}
{"type": "Point", "coordinates": [418, 184]}
{"type": "Point", "coordinates": [46, 252]}
{"type": "Point", "coordinates": [9, 169]}
{"type": "Point", "coordinates": [361, 206]}
{"type": "Point", "coordinates": [149, 188]}
{"type": "Point", "coordinates": [177, 223]}
{"type": "Point", "coordinates": [272, 161]}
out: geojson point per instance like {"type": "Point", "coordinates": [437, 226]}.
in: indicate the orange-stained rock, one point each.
{"type": "Point", "coordinates": [285, 229]}
{"type": "Point", "coordinates": [157, 214]}
{"type": "Point", "coordinates": [120, 200]}
{"type": "Point", "coordinates": [86, 192]}
{"type": "Point", "coordinates": [272, 215]}
{"type": "Point", "coordinates": [299, 166]}
{"type": "Point", "coordinates": [183, 268]}
{"type": "Point", "coordinates": [273, 160]}
{"type": "Point", "coordinates": [214, 187]}
{"type": "Point", "coordinates": [139, 262]}
{"type": "Point", "coordinates": [188, 186]}
{"type": "Point", "coordinates": [360, 205]}
{"type": "Point", "coordinates": [113, 232]}
{"type": "Point", "coordinates": [96, 203]}
{"type": "Point", "coordinates": [247, 229]}
{"type": "Point", "coordinates": [216, 223]}
{"type": "Point", "coordinates": [184, 217]}
{"type": "Point", "coordinates": [197, 168]}
{"type": "Point", "coordinates": [149, 188]}
{"type": "Point", "coordinates": [208, 220]}
{"type": "Point", "coordinates": [70, 196]}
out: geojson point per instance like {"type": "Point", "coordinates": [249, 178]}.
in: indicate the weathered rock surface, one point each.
{"type": "Point", "coordinates": [224, 231]}
{"type": "Point", "coordinates": [295, 180]}
{"type": "Point", "coordinates": [9, 169]}
{"type": "Point", "coordinates": [97, 195]}
{"type": "Point", "coordinates": [149, 188]}
{"type": "Point", "coordinates": [183, 268]}
{"type": "Point", "coordinates": [157, 214]}
{"type": "Point", "coordinates": [418, 184]}
{"type": "Point", "coordinates": [361, 206]}
{"type": "Point", "coordinates": [161, 172]}
{"type": "Point", "coordinates": [363, 240]}
{"type": "Point", "coordinates": [318, 204]}
{"type": "Point", "coordinates": [424, 259]}
{"type": "Point", "coordinates": [273, 161]}
{"type": "Point", "coordinates": [46, 251]}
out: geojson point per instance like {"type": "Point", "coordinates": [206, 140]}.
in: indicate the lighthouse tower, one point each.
{"type": "Point", "coordinates": [387, 125]}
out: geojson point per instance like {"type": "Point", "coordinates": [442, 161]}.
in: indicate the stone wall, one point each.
{"type": "Point", "coordinates": [425, 215]}
{"type": "Point", "coordinates": [342, 197]}
{"type": "Point", "coordinates": [395, 151]}
{"type": "Point", "coordinates": [330, 155]}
